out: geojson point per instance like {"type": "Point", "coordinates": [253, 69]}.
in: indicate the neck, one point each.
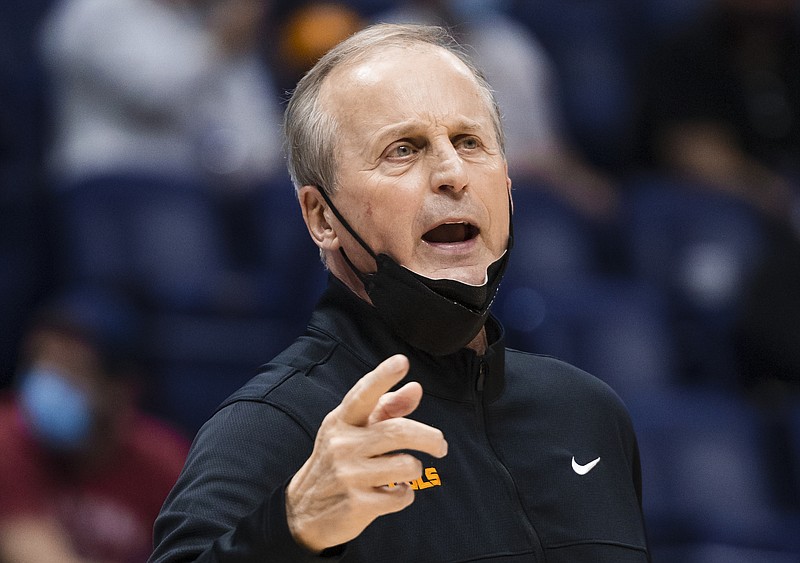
{"type": "Point", "coordinates": [480, 343]}
{"type": "Point", "coordinates": [346, 275]}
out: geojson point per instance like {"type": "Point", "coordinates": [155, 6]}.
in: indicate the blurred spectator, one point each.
{"type": "Point", "coordinates": [521, 72]}
{"type": "Point", "coordinates": [721, 107]}
{"type": "Point", "coordinates": [310, 30]}
{"type": "Point", "coordinates": [83, 472]}
{"type": "Point", "coordinates": [172, 87]}
{"type": "Point", "coordinates": [722, 102]}
{"type": "Point", "coordinates": [596, 48]}
{"type": "Point", "coordinates": [167, 175]}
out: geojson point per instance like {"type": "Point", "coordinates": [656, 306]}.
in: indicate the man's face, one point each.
{"type": "Point", "coordinates": [420, 172]}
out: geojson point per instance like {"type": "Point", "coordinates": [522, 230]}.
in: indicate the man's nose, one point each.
{"type": "Point", "coordinates": [448, 172]}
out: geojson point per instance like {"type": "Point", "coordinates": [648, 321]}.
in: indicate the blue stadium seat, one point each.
{"type": "Point", "coordinates": [205, 357]}
{"type": "Point", "coordinates": [594, 48]}
{"type": "Point", "coordinates": [552, 243]}
{"type": "Point", "coordinates": [201, 359]}
{"type": "Point", "coordinates": [290, 262]}
{"type": "Point", "coordinates": [555, 299]}
{"type": "Point", "coordinates": [707, 491]}
{"type": "Point", "coordinates": [157, 234]}
{"type": "Point", "coordinates": [701, 248]}
{"type": "Point", "coordinates": [212, 320]}
{"type": "Point", "coordinates": [616, 329]}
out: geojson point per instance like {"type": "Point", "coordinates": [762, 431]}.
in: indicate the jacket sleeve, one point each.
{"type": "Point", "coordinates": [228, 505]}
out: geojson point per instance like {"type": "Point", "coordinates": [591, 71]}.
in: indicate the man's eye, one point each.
{"type": "Point", "coordinates": [401, 151]}
{"type": "Point", "coordinates": [468, 143]}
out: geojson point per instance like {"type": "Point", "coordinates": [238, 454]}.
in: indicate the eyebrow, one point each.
{"type": "Point", "coordinates": [412, 128]}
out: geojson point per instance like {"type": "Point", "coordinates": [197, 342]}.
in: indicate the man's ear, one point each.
{"type": "Point", "coordinates": [315, 214]}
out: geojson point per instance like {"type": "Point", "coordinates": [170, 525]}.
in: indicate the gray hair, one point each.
{"type": "Point", "coordinates": [310, 131]}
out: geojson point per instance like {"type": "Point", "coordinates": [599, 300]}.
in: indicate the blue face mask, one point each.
{"type": "Point", "coordinates": [58, 411]}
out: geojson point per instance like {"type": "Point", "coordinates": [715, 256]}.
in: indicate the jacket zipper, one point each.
{"type": "Point", "coordinates": [480, 383]}
{"type": "Point", "coordinates": [481, 380]}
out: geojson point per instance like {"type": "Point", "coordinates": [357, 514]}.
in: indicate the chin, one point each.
{"type": "Point", "coordinates": [478, 279]}
{"type": "Point", "coordinates": [458, 268]}
{"type": "Point", "coordinates": [473, 276]}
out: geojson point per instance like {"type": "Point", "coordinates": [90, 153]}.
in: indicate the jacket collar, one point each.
{"type": "Point", "coordinates": [355, 324]}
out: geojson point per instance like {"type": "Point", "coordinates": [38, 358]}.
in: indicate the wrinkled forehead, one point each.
{"type": "Point", "coordinates": [390, 68]}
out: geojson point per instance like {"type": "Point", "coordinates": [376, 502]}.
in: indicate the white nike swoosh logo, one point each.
{"type": "Point", "coordinates": [583, 469]}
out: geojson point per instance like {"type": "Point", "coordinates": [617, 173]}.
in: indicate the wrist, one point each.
{"type": "Point", "coordinates": [296, 520]}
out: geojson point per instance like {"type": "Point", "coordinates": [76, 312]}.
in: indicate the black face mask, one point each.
{"type": "Point", "coordinates": [438, 316]}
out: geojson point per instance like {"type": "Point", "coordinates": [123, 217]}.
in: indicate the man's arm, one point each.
{"type": "Point", "coordinates": [232, 504]}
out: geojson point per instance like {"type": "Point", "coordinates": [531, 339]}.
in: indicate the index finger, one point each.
{"type": "Point", "coordinates": [361, 400]}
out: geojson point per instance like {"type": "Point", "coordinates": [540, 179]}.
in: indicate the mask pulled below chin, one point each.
{"type": "Point", "coordinates": [438, 316]}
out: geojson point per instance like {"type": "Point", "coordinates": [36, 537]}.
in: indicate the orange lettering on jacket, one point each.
{"type": "Point", "coordinates": [429, 479]}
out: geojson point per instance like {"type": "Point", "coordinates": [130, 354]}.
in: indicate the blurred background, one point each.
{"type": "Point", "coordinates": [654, 147]}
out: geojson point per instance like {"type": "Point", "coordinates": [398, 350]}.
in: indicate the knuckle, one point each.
{"type": "Point", "coordinates": [412, 464]}
{"type": "Point", "coordinates": [340, 475]}
{"type": "Point", "coordinates": [398, 428]}
{"type": "Point", "coordinates": [407, 467]}
{"type": "Point", "coordinates": [337, 443]}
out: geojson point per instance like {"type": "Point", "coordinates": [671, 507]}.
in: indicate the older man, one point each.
{"type": "Point", "coordinates": [396, 148]}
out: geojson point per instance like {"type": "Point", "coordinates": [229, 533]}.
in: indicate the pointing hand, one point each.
{"type": "Point", "coordinates": [342, 487]}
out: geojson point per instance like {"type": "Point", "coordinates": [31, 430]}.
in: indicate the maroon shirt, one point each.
{"type": "Point", "coordinates": [109, 514]}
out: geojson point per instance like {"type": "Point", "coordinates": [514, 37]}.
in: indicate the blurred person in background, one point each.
{"type": "Point", "coordinates": [522, 75]}
{"type": "Point", "coordinates": [83, 472]}
{"type": "Point", "coordinates": [166, 140]}
{"type": "Point", "coordinates": [722, 102]}
{"type": "Point", "coordinates": [721, 107]}
{"type": "Point", "coordinates": [165, 87]}
{"type": "Point", "coordinates": [307, 31]}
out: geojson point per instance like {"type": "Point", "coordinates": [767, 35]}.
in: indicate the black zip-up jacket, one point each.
{"type": "Point", "coordinates": [520, 481]}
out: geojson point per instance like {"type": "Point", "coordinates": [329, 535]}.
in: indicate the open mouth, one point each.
{"type": "Point", "coordinates": [451, 233]}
